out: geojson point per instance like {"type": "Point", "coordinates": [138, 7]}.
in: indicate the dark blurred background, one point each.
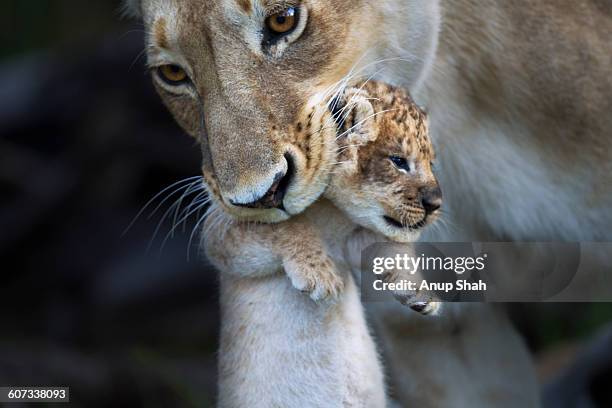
{"type": "Point", "coordinates": [84, 144]}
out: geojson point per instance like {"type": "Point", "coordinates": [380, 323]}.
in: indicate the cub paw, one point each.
{"type": "Point", "coordinates": [321, 282]}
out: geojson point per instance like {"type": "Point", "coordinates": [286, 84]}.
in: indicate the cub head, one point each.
{"type": "Point", "coordinates": [383, 178]}
{"type": "Point", "coordinates": [244, 76]}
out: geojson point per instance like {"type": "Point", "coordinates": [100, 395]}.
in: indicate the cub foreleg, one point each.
{"type": "Point", "coordinates": [256, 250]}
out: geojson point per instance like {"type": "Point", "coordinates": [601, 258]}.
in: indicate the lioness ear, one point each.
{"type": "Point", "coordinates": [355, 116]}
{"type": "Point", "coordinates": [132, 8]}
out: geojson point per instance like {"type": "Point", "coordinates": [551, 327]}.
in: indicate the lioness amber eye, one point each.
{"type": "Point", "coordinates": [400, 163]}
{"type": "Point", "coordinates": [172, 74]}
{"type": "Point", "coordinates": [283, 22]}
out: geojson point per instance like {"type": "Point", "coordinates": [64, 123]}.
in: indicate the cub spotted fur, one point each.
{"type": "Point", "coordinates": [383, 172]}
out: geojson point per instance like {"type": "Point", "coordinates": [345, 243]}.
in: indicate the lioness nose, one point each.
{"type": "Point", "coordinates": [273, 198]}
{"type": "Point", "coordinates": [431, 199]}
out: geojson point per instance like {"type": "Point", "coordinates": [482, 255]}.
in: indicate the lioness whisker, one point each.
{"type": "Point", "coordinates": [170, 233]}
{"type": "Point", "coordinates": [346, 79]}
{"type": "Point", "coordinates": [220, 217]}
{"type": "Point", "coordinates": [156, 196]}
{"type": "Point", "coordinates": [188, 186]}
{"type": "Point", "coordinates": [190, 190]}
{"type": "Point", "coordinates": [166, 214]}
{"type": "Point", "coordinates": [193, 231]}
{"type": "Point", "coordinates": [199, 201]}
{"type": "Point", "coordinates": [348, 107]}
{"type": "Point", "coordinates": [346, 147]}
{"type": "Point", "coordinates": [362, 121]}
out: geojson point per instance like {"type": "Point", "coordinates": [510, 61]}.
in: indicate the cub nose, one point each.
{"type": "Point", "coordinates": [431, 199]}
{"type": "Point", "coordinates": [273, 198]}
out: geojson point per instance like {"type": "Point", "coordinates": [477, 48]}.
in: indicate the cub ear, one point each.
{"type": "Point", "coordinates": [131, 8]}
{"type": "Point", "coordinates": [354, 115]}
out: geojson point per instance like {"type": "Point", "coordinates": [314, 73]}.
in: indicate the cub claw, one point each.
{"type": "Point", "coordinates": [419, 307]}
{"type": "Point", "coordinates": [419, 302]}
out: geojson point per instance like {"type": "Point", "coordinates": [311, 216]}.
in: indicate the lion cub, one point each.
{"type": "Point", "coordinates": [382, 181]}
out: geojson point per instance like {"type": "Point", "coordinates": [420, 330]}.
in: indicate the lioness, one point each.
{"type": "Point", "coordinates": [519, 94]}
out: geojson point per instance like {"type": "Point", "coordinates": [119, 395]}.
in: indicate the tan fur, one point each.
{"type": "Point", "coordinates": [517, 88]}
{"type": "Point", "coordinates": [521, 88]}
{"type": "Point", "coordinates": [245, 5]}
{"type": "Point", "coordinates": [161, 38]}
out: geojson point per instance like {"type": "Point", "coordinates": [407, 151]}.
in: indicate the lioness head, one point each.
{"type": "Point", "coordinates": [243, 77]}
{"type": "Point", "coordinates": [383, 179]}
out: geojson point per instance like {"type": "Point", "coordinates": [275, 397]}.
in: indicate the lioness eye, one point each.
{"type": "Point", "coordinates": [172, 74]}
{"type": "Point", "coordinates": [283, 22]}
{"type": "Point", "coordinates": [400, 163]}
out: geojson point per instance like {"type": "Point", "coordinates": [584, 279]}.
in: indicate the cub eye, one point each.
{"type": "Point", "coordinates": [172, 74]}
{"type": "Point", "coordinates": [283, 22]}
{"type": "Point", "coordinates": [400, 163]}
